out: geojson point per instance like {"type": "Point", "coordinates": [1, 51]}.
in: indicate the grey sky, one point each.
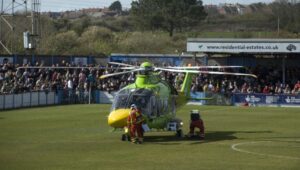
{"type": "Point", "coordinates": [62, 5]}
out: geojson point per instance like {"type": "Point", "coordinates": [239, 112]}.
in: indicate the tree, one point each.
{"type": "Point", "coordinates": [96, 40]}
{"type": "Point", "coordinates": [116, 6]}
{"type": "Point", "coordinates": [63, 43]}
{"type": "Point", "coordinates": [288, 15]}
{"type": "Point", "coordinates": [80, 24]}
{"type": "Point", "coordinates": [168, 15]}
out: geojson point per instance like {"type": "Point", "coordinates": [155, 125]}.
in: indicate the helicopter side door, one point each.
{"type": "Point", "coordinates": [162, 106]}
{"type": "Point", "coordinates": [172, 104]}
{"type": "Point", "coordinates": [153, 107]}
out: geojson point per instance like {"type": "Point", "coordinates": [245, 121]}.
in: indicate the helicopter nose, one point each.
{"type": "Point", "coordinates": [118, 118]}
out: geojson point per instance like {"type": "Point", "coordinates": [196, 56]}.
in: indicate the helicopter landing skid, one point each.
{"type": "Point", "coordinates": [125, 137]}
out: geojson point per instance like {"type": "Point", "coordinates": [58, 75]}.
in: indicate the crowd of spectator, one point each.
{"type": "Point", "coordinates": [269, 81]}
{"type": "Point", "coordinates": [17, 79]}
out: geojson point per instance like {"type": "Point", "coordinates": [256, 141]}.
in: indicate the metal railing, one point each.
{"type": "Point", "coordinates": [44, 98]}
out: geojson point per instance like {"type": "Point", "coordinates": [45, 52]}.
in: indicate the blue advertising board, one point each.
{"type": "Point", "coordinates": [266, 99]}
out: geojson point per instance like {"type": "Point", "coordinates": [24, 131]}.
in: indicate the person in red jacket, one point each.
{"type": "Point", "coordinates": [134, 122]}
{"type": "Point", "coordinates": [297, 87]}
{"type": "Point", "coordinates": [196, 122]}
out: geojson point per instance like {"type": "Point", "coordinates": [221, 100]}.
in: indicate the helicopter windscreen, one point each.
{"type": "Point", "coordinates": [140, 97]}
{"type": "Point", "coordinates": [120, 101]}
{"type": "Point", "coordinates": [140, 101]}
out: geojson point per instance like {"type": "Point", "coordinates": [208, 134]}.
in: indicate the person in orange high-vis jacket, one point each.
{"type": "Point", "coordinates": [134, 122]}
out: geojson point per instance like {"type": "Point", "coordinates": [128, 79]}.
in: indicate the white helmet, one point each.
{"type": "Point", "coordinates": [133, 106]}
{"type": "Point", "coordinates": [196, 112]}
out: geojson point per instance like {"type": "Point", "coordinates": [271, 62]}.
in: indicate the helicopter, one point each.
{"type": "Point", "coordinates": [156, 98]}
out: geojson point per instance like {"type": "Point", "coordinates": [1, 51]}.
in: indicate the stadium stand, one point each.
{"type": "Point", "coordinates": [75, 81]}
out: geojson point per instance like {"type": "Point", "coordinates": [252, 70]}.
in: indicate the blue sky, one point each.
{"type": "Point", "coordinates": [63, 5]}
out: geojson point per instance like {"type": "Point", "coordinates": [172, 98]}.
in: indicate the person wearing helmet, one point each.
{"type": "Point", "coordinates": [196, 122]}
{"type": "Point", "coordinates": [134, 122]}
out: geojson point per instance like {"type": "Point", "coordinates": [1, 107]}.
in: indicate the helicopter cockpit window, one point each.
{"type": "Point", "coordinates": [120, 102]}
{"type": "Point", "coordinates": [142, 102]}
{"type": "Point", "coordinates": [140, 97]}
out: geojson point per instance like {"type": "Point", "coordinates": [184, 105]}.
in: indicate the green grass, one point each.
{"type": "Point", "coordinates": [77, 137]}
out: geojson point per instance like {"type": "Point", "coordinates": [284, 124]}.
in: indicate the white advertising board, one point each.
{"type": "Point", "coordinates": [240, 47]}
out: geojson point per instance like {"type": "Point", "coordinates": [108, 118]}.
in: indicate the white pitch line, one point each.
{"type": "Point", "coordinates": [234, 147]}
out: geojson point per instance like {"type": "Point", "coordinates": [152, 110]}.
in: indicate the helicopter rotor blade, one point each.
{"type": "Point", "coordinates": [199, 67]}
{"type": "Point", "coordinates": [128, 68]}
{"type": "Point", "coordinates": [207, 72]}
{"type": "Point", "coordinates": [62, 67]}
{"type": "Point", "coordinates": [121, 64]}
{"type": "Point", "coordinates": [119, 73]}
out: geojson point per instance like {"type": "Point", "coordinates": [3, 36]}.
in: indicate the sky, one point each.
{"type": "Point", "coordinates": [63, 5]}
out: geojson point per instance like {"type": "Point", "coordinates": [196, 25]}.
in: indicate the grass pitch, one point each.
{"type": "Point", "coordinates": [77, 137]}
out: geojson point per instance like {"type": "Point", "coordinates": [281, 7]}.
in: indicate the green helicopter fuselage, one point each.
{"type": "Point", "coordinates": [155, 98]}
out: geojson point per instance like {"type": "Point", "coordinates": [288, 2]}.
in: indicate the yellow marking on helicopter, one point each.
{"type": "Point", "coordinates": [118, 118]}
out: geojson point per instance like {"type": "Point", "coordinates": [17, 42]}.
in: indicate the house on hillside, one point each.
{"type": "Point", "coordinates": [241, 9]}
{"type": "Point", "coordinates": [92, 12]}
{"type": "Point", "coordinates": [233, 9]}
{"type": "Point", "coordinates": [228, 9]}
{"type": "Point", "coordinates": [211, 9]}
{"type": "Point", "coordinates": [72, 14]}
{"type": "Point", "coordinates": [54, 15]}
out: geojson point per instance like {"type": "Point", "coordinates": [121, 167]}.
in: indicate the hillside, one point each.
{"type": "Point", "coordinates": [95, 31]}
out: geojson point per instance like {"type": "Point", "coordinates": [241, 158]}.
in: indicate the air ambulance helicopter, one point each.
{"type": "Point", "coordinates": [156, 98]}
